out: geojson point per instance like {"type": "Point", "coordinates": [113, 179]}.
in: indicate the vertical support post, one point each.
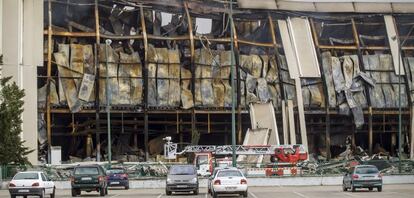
{"type": "Point", "coordinates": [234, 54]}
{"type": "Point", "coordinates": [370, 132]}
{"type": "Point", "coordinates": [325, 90]}
{"type": "Point", "coordinates": [233, 98]}
{"type": "Point", "coordinates": [276, 51]}
{"type": "Point", "coordinates": [192, 52]}
{"type": "Point", "coordinates": [97, 106]}
{"type": "Point", "coordinates": [89, 145]}
{"type": "Point", "coordinates": [291, 122]}
{"type": "Point", "coordinates": [412, 133]}
{"type": "Point", "coordinates": [239, 90]}
{"type": "Point", "coordinates": [285, 123]}
{"type": "Point", "coordinates": [135, 133]}
{"type": "Point", "coordinates": [208, 123]}
{"type": "Point", "coordinates": [144, 35]}
{"type": "Point", "coordinates": [393, 143]}
{"type": "Point", "coordinates": [177, 123]}
{"type": "Point", "coordinates": [400, 66]}
{"type": "Point", "coordinates": [49, 78]}
{"type": "Point", "coordinates": [301, 112]}
{"type": "Point", "coordinates": [108, 105]}
{"type": "Point", "coordinates": [97, 76]}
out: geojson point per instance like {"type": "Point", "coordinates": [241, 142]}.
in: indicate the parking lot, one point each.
{"type": "Point", "coordinates": [391, 191]}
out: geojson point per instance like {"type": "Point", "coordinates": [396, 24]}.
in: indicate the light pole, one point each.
{"type": "Point", "coordinates": [233, 97]}
{"type": "Point", "coordinates": [400, 45]}
{"type": "Point", "coordinates": [108, 105]}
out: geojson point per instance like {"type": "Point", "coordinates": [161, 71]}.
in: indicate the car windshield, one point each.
{"type": "Point", "coordinates": [22, 176]}
{"type": "Point", "coordinates": [229, 173]}
{"type": "Point", "coordinates": [203, 159]}
{"type": "Point", "coordinates": [366, 170]}
{"type": "Point", "coordinates": [215, 171]}
{"type": "Point", "coordinates": [86, 171]}
{"type": "Point", "coordinates": [115, 171]}
{"type": "Point", "coordinates": [182, 170]}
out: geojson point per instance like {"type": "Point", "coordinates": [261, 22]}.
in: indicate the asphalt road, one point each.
{"type": "Point", "coordinates": [391, 191]}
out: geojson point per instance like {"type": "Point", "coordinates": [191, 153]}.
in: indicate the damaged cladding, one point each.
{"type": "Point", "coordinates": [166, 78]}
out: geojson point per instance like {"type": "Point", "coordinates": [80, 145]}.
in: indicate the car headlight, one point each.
{"type": "Point", "coordinates": [194, 180]}
{"type": "Point", "coordinates": [169, 180]}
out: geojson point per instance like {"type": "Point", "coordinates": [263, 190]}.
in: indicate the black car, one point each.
{"type": "Point", "coordinates": [117, 177]}
{"type": "Point", "coordinates": [182, 178]}
{"type": "Point", "coordinates": [89, 178]}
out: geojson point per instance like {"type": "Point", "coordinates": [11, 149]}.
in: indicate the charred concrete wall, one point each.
{"type": "Point", "coordinates": [166, 77]}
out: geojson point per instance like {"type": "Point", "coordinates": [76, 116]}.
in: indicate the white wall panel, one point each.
{"type": "Point", "coordinates": [393, 41]}
{"type": "Point", "coordinates": [301, 36]}
{"type": "Point", "coordinates": [288, 49]}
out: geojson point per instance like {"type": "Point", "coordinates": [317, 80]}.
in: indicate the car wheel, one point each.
{"type": "Point", "coordinates": [195, 192]}
{"type": "Point", "coordinates": [13, 196]}
{"type": "Point", "coordinates": [344, 188]}
{"type": "Point", "coordinates": [74, 193]}
{"type": "Point", "coordinates": [102, 192]}
{"type": "Point", "coordinates": [126, 187]}
{"type": "Point", "coordinates": [215, 195]}
{"type": "Point", "coordinates": [53, 193]}
{"type": "Point", "coordinates": [245, 194]}
{"type": "Point", "coordinates": [42, 194]}
{"type": "Point", "coordinates": [353, 189]}
{"type": "Point", "coordinates": [370, 188]}
{"type": "Point", "coordinates": [167, 192]}
{"type": "Point", "coordinates": [379, 189]}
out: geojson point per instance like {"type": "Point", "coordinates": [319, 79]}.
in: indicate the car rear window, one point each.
{"type": "Point", "coordinates": [182, 170]}
{"type": "Point", "coordinates": [229, 173]}
{"type": "Point", "coordinates": [366, 170]}
{"type": "Point", "coordinates": [86, 171]}
{"type": "Point", "coordinates": [115, 171]}
{"type": "Point", "coordinates": [23, 176]}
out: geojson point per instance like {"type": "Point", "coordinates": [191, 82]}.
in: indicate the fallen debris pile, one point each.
{"type": "Point", "coordinates": [385, 164]}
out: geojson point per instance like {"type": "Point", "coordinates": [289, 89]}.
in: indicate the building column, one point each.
{"type": "Point", "coordinates": [22, 47]}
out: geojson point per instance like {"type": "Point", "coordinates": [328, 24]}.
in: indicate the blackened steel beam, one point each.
{"type": "Point", "coordinates": [145, 71]}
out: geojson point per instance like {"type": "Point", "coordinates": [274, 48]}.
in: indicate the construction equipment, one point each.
{"type": "Point", "coordinates": [281, 155]}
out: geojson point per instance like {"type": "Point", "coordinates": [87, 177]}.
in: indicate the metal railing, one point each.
{"type": "Point", "coordinates": [158, 170]}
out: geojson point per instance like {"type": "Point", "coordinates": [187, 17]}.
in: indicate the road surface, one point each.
{"type": "Point", "coordinates": [390, 191]}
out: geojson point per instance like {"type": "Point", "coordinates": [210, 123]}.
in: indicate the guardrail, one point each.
{"type": "Point", "coordinates": [154, 170]}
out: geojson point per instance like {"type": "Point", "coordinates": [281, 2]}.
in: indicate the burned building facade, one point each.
{"type": "Point", "coordinates": [163, 68]}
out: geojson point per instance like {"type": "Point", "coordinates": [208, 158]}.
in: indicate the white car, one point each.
{"type": "Point", "coordinates": [31, 183]}
{"type": "Point", "coordinates": [229, 181]}
{"type": "Point", "coordinates": [210, 179]}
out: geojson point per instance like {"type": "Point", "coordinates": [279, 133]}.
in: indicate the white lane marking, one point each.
{"type": "Point", "coordinates": [253, 195]}
{"type": "Point", "coordinates": [115, 195]}
{"type": "Point", "coordinates": [159, 196]}
{"type": "Point", "coordinates": [206, 195]}
{"type": "Point", "coordinates": [300, 194]}
{"type": "Point", "coordinates": [350, 194]}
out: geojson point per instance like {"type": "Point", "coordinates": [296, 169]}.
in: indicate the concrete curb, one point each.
{"type": "Point", "coordinates": [262, 182]}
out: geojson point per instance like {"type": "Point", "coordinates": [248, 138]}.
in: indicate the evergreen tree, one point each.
{"type": "Point", "coordinates": [12, 150]}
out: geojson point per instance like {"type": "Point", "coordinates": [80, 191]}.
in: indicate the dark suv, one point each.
{"type": "Point", "coordinates": [89, 178]}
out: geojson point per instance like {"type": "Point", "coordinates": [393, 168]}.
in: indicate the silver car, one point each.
{"type": "Point", "coordinates": [362, 176]}
{"type": "Point", "coordinates": [182, 178]}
